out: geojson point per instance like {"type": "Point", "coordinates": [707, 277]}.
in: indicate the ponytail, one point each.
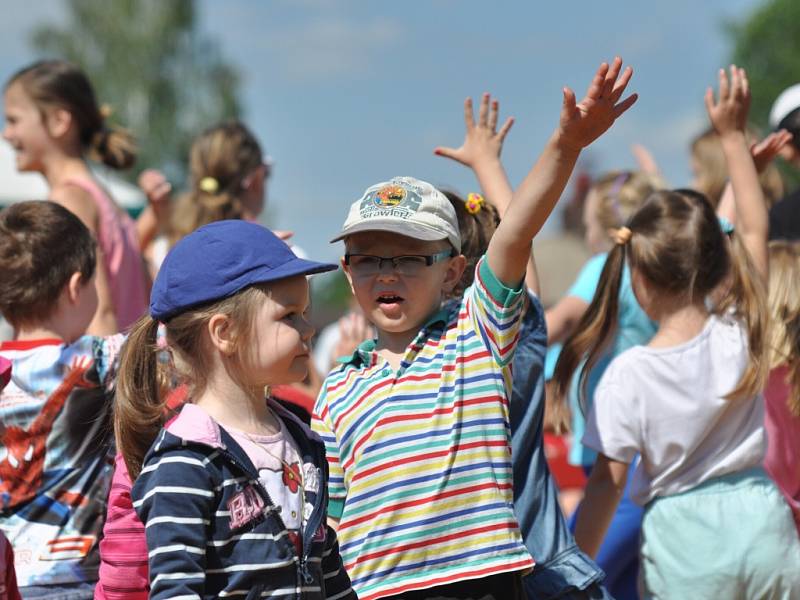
{"type": "Point", "coordinates": [139, 404]}
{"type": "Point", "coordinates": [199, 207]}
{"type": "Point", "coordinates": [594, 331]}
{"type": "Point", "coordinates": [114, 147]}
{"type": "Point", "coordinates": [747, 298]}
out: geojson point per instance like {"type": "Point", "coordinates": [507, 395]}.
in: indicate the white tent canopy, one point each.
{"type": "Point", "coordinates": [16, 186]}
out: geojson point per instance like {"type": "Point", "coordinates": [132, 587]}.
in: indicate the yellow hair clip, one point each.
{"type": "Point", "coordinates": [474, 203]}
{"type": "Point", "coordinates": [209, 185]}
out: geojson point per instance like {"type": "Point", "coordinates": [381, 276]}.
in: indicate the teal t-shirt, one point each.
{"type": "Point", "coordinates": [634, 329]}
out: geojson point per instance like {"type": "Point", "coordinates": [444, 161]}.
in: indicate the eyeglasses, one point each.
{"type": "Point", "coordinates": [406, 264]}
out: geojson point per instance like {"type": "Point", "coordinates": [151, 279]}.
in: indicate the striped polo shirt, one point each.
{"type": "Point", "coordinates": [420, 460]}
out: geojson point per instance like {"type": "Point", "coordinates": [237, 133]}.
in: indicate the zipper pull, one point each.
{"type": "Point", "coordinates": [307, 578]}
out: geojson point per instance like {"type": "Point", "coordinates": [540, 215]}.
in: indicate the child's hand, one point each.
{"type": "Point", "coordinates": [155, 186]}
{"type": "Point", "coordinates": [482, 141]}
{"type": "Point", "coordinates": [353, 329]}
{"type": "Point", "coordinates": [765, 151]}
{"type": "Point", "coordinates": [584, 122]}
{"type": "Point", "coordinates": [729, 114]}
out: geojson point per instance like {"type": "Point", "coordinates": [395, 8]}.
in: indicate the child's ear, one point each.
{"type": "Point", "coordinates": [347, 274]}
{"type": "Point", "coordinates": [455, 269]}
{"type": "Point", "coordinates": [221, 332]}
{"type": "Point", "coordinates": [58, 122]}
{"type": "Point", "coordinates": [73, 287]}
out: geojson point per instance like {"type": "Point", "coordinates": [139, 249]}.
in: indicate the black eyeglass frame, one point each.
{"type": "Point", "coordinates": [430, 259]}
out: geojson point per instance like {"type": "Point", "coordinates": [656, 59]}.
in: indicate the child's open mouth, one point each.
{"type": "Point", "coordinates": [389, 299]}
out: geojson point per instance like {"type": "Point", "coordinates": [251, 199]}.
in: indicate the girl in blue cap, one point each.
{"type": "Point", "coordinates": [233, 491]}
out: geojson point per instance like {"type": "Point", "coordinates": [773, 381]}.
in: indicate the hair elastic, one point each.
{"type": "Point", "coordinates": [725, 225]}
{"type": "Point", "coordinates": [209, 185]}
{"type": "Point", "coordinates": [621, 236]}
{"type": "Point", "coordinates": [474, 203]}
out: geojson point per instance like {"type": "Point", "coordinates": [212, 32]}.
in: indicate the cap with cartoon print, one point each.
{"type": "Point", "coordinates": [406, 206]}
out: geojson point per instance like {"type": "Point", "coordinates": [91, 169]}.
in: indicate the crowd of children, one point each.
{"type": "Point", "coordinates": [152, 444]}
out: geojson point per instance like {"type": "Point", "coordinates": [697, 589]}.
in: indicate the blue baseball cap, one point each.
{"type": "Point", "coordinates": [220, 259]}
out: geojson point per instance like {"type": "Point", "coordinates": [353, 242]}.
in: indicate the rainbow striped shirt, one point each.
{"type": "Point", "coordinates": [420, 459]}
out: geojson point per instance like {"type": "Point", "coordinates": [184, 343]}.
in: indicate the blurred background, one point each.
{"type": "Point", "coordinates": [346, 93]}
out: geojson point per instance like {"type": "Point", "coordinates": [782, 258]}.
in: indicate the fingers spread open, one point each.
{"type": "Point", "coordinates": [505, 128]}
{"type": "Point", "coordinates": [625, 105]}
{"type": "Point", "coordinates": [611, 76]}
{"type": "Point", "coordinates": [621, 84]}
{"type": "Point", "coordinates": [484, 110]}
{"type": "Point", "coordinates": [469, 117]}
{"type": "Point", "coordinates": [596, 87]}
{"type": "Point", "coordinates": [494, 109]}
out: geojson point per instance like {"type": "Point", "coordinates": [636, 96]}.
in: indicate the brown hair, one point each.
{"type": "Point", "coordinates": [226, 153]}
{"type": "Point", "coordinates": [41, 245]}
{"type": "Point", "coordinates": [476, 230]}
{"type": "Point", "coordinates": [678, 247]}
{"type": "Point", "coordinates": [784, 308]}
{"type": "Point", "coordinates": [140, 408]}
{"type": "Point", "coordinates": [620, 194]}
{"type": "Point", "coordinates": [712, 175]}
{"type": "Point", "coordinates": [57, 83]}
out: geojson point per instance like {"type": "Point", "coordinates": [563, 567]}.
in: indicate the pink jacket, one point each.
{"type": "Point", "coordinates": [8, 577]}
{"type": "Point", "coordinates": [123, 549]}
{"type": "Point", "coordinates": [782, 461]}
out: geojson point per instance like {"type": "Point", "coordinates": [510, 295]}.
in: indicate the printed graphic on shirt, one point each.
{"type": "Point", "coordinates": [55, 457]}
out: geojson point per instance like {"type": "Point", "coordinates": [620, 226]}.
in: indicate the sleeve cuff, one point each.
{"type": "Point", "coordinates": [335, 508]}
{"type": "Point", "coordinates": [501, 294]}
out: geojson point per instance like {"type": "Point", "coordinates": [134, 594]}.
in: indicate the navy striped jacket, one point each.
{"type": "Point", "coordinates": [212, 529]}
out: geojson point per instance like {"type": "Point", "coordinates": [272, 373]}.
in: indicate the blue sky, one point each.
{"type": "Point", "coordinates": [347, 93]}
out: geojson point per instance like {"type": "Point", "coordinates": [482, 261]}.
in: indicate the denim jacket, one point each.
{"type": "Point", "coordinates": [560, 564]}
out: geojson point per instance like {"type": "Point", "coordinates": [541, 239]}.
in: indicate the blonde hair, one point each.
{"type": "Point", "coordinates": [62, 84]}
{"type": "Point", "coordinates": [220, 160]}
{"type": "Point", "coordinates": [620, 194]}
{"type": "Point", "coordinates": [712, 175]}
{"type": "Point", "coordinates": [784, 308]}
{"type": "Point", "coordinates": [140, 408]}
{"type": "Point", "coordinates": [677, 245]}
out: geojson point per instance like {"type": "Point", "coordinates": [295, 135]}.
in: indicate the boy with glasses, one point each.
{"type": "Point", "coordinates": [415, 422]}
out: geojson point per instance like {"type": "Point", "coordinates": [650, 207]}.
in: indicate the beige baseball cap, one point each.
{"type": "Point", "coordinates": [406, 206]}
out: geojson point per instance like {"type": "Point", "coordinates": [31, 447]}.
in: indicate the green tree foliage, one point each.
{"type": "Point", "coordinates": [767, 44]}
{"type": "Point", "coordinates": [163, 79]}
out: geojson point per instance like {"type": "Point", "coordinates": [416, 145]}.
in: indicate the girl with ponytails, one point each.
{"type": "Point", "coordinates": [689, 403]}
{"type": "Point", "coordinates": [232, 491]}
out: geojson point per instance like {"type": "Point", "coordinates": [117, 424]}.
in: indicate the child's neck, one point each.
{"type": "Point", "coordinates": [60, 168]}
{"type": "Point", "coordinates": [48, 330]}
{"type": "Point", "coordinates": [393, 346]}
{"type": "Point", "coordinates": [679, 323]}
{"type": "Point", "coordinates": [239, 408]}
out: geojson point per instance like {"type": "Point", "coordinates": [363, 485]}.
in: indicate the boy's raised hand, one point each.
{"type": "Point", "coordinates": [583, 122]}
{"type": "Point", "coordinates": [729, 113]}
{"type": "Point", "coordinates": [482, 141]}
{"type": "Point", "coordinates": [765, 151]}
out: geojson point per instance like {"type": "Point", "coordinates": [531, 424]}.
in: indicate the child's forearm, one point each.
{"type": "Point", "coordinates": [603, 493]}
{"type": "Point", "coordinates": [752, 218]}
{"type": "Point", "coordinates": [531, 204]}
{"type": "Point", "coordinates": [494, 183]}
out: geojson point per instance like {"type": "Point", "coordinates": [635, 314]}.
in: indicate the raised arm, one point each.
{"type": "Point", "coordinates": [729, 117]}
{"type": "Point", "coordinates": [533, 201]}
{"type": "Point", "coordinates": [481, 150]}
{"type": "Point", "coordinates": [763, 153]}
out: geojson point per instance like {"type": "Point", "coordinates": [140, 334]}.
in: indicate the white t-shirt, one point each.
{"type": "Point", "coordinates": [668, 406]}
